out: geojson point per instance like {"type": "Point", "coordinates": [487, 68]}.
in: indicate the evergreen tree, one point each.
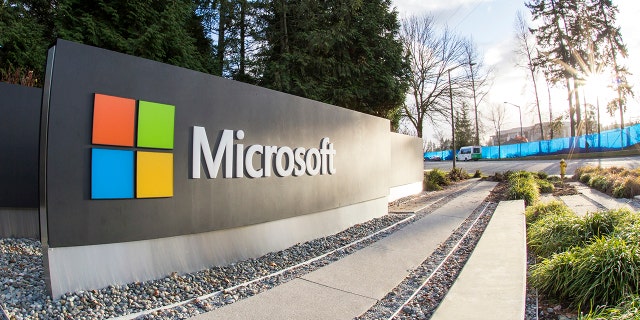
{"type": "Point", "coordinates": [166, 31]}
{"type": "Point", "coordinates": [464, 128]}
{"type": "Point", "coordinates": [345, 53]}
{"type": "Point", "coordinates": [169, 32]}
{"type": "Point", "coordinates": [25, 34]}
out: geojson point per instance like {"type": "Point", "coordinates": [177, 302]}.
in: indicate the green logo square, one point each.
{"type": "Point", "coordinates": [155, 125]}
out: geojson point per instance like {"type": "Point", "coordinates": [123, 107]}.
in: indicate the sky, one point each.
{"type": "Point", "coordinates": [490, 23]}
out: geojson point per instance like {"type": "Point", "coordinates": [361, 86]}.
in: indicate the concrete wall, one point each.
{"type": "Point", "coordinates": [19, 131]}
{"type": "Point", "coordinates": [406, 167]}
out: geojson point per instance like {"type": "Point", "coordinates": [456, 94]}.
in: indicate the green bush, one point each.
{"type": "Point", "coordinates": [555, 228]}
{"type": "Point", "coordinates": [602, 223]}
{"type": "Point", "coordinates": [542, 175]}
{"type": "Point", "coordinates": [599, 182]}
{"type": "Point", "coordinates": [601, 273]}
{"type": "Point", "coordinates": [585, 178]}
{"type": "Point", "coordinates": [629, 232]}
{"type": "Point", "coordinates": [628, 309]}
{"type": "Point", "coordinates": [545, 186]}
{"type": "Point", "coordinates": [435, 179]}
{"type": "Point", "coordinates": [477, 174]}
{"type": "Point", "coordinates": [554, 179]}
{"type": "Point", "coordinates": [554, 233]}
{"type": "Point", "coordinates": [627, 187]}
{"type": "Point", "coordinates": [458, 174]}
{"type": "Point", "coordinates": [539, 210]}
{"type": "Point", "coordinates": [584, 169]}
{"type": "Point", "coordinates": [523, 186]}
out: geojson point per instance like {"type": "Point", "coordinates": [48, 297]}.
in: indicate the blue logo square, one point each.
{"type": "Point", "coordinates": [112, 175]}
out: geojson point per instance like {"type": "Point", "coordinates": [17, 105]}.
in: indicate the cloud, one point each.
{"type": "Point", "coordinates": [417, 6]}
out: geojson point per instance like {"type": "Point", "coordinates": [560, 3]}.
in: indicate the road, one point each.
{"type": "Point", "coordinates": [489, 167]}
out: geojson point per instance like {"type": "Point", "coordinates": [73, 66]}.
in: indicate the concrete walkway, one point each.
{"type": "Point", "coordinates": [350, 286]}
{"type": "Point", "coordinates": [590, 200]}
{"type": "Point", "coordinates": [492, 284]}
{"type": "Point", "coordinates": [603, 199]}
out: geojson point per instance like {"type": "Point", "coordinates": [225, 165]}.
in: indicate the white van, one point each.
{"type": "Point", "coordinates": [469, 153]}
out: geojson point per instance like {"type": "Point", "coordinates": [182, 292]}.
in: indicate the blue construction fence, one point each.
{"type": "Point", "coordinates": [605, 141]}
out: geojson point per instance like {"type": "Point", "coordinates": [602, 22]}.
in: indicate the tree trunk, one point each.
{"type": "Point", "coordinates": [550, 112]}
{"type": "Point", "coordinates": [535, 90]}
{"type": "Point", "coordinates": [243, 8]}
{"type": "Point", "coordinates": [222, 23]}
{"type": "Point", "coordinates": [578, 109]}
{"type": "Point", "coordinates": [572, 123]}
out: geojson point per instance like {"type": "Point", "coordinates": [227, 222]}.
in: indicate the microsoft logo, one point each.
{"type": "Point", "coordinates": [139, 162]}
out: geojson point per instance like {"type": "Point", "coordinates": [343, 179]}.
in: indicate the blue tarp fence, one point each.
{"type": "Point", "coordinates": [605, 141]}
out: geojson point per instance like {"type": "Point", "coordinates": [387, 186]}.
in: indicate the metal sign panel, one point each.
{"type": "Point", "coordinates": [118, 138]}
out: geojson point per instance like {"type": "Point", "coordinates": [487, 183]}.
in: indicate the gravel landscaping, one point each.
{"type": "Point", "coordinates": [179, 296]}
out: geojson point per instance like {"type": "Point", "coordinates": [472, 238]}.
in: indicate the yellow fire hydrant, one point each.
{"type": "Point", "coordinates": [563, 168]}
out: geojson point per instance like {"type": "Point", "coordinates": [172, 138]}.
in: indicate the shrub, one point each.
{"type": "Point", "coordinates": [523, 186]}
{"type": "Point", "coordinates": [545, 186]}
{"type": "Point", "coordinates": [435, 179]}
{"type": "Point", "coordinates": [615, 181]}
{"type": "Point", "coordinates": [458, 174]}
{"type": "Point", "coordinates": [477, 174]}
{"type": "Point", "coordinates": [602, 223]}
{"type": "Point", "coordinates": [585, 178]}
{"type": "Point", "coordinates": [555, 228]}
{"type": "Point", "coordinates": [585, 169]}
{"type": "Point", "coordinates": [554, 179]}
{"type": "Point", "coordinates": [628, 309]}
{"type": "Point", "coordinates": [554, 233]}
{"type": "Point", "coordinates": [599, 182]}
{"type": "Point", "coordinates": [603, 272]}
{"type": "Point", "coordinates": [628, 188]}
{"type": "Point", "coordinates": [629, 232]}
{"type": "Point", "coordinates": [542, 175]}
{"type": "Point", "coordinates": [537, 211]}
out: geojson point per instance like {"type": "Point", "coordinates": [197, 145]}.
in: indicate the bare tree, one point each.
{"type": "Point", "coordinates": [479, 76]}
{"type": "Point", "coordinates": [496, 115]}
{"type": "Point", "coordinates": [526, 49]}
{"type": "Point", "coordinates": [431, 55]}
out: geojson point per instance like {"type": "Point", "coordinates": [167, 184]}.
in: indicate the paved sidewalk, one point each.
{"type": "Point", "coordinates": [492, 284]}
{"type": "Point", "coordinates": [350, 286]}
{"type": "Point", "coordinates": [590, 200]}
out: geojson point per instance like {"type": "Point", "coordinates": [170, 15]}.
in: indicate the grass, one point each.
{"type": "Point", "coordinates": [522, 185]}
{"type": "Point", "coordinates": [592, 262]}
{"type": "Point", "coordinates": [603, 272]}
{"type": "Point", "coordinates": [436, 179]}
{"type": "Point", "coordinates": [615, 181]}
{"type": "Point", "coordinates": [628, 309]}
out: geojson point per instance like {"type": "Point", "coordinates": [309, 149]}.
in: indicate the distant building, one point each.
{"type": "Point", "coordinates": [531, 133]}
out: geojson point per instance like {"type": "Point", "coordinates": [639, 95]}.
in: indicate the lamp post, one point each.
{"type": "Point", "coordinates": [453, 128]}
{"type": "Point", "coordinates": [521, 134]}
{"type": "Point", "coordinates": [520, 112]}
{"type": "Point", "coordinates": [475, 104]}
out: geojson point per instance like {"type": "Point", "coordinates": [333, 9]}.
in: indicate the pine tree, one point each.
{"type": "Point", "coordinates": [464, 128]}
{"type": "Point", "coordinates": [166, 31]}
{"type": "Point", "coordinates": [25, 34]}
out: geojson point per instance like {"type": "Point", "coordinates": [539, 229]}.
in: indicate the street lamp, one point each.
{"type": "Point", "coordinates": [453, 128]}
{"type": "Point", "coordinates": [521, 134]}
{"type": "Point", "coordinates": [520, 112]}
